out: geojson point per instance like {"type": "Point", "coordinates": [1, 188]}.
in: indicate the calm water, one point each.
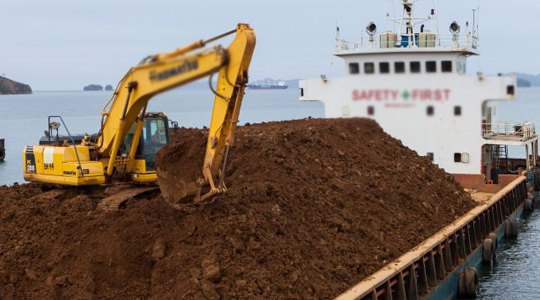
{"type": "Point", "coordinates": [517, 272]}
{"type": "Point", "coordinates": [23, 119]}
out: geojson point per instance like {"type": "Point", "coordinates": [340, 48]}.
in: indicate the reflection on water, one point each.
{"type": "Point", "coordinates": [516, 273]}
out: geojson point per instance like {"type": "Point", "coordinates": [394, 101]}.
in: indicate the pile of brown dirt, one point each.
{"type": "Point", "coordinates": [313, 207]}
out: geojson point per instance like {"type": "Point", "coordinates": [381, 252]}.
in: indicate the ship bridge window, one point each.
{"type": "Point", "coordinates": [369, 68]}
{"type": "Point", "coordinates": [510, 90]}
{"type": "Point", "coordinates": [354, 68]}
{"type": "Point", "coordinates": [446, 66]}
{"type": "Point", "coordinates": [457, 110]}
{"type": "Point", "coordinates": [415, 67]}
{"type": "Point", "coordinates": [370, 110]}
{"type": "Point", "coordinates": [399, 67]}
{"type": "Point", "coordinates": [430, 156]}
{"type": "Point", "coordinates": [461, 157]}
{"type": "Point", "coordinates": [384, 68]}
{"type": "Point", "coordinates": [431, 66]}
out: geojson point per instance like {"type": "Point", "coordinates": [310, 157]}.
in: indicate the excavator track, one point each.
{"type": "Point", "coordinates": [50, 195]}
{"type": "Point", "coordinates": [119, 200]}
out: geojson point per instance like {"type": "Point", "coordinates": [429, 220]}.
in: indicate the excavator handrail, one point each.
{"type": "Point", "coordinates": [72, 142]}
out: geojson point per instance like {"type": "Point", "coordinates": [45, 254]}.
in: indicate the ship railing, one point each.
{"type": "Point", "coordinates": [509, 131]}
{"type": "Point", "coordinates": [461, 42]}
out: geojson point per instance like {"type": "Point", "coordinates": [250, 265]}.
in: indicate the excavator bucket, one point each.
{"type": "Point", "coordinates": [174, 189]}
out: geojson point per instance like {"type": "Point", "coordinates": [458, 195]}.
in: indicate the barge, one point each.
{"type": "Point", "coordinates": [415, 84]}
{"type": "Point", "coordinates": [437, 268]}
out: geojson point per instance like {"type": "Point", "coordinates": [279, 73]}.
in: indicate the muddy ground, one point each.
{"type": "Point", "coordinates": [313, 207]}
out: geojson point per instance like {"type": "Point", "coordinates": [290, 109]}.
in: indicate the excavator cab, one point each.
{"type": "Point", "coordinates": [153, 137]}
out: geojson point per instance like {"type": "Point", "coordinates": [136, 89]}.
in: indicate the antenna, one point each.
{"type": "Point", "coordinates": [473, 22]}
{"type": "Point", "coordinates": [338, 44]}
{"type": "Point", "coordinates": [434, 15]}
{"type": "Point", "coordinates": [475, 29]}
{"type": "Point", "coordinates": [394, 8]}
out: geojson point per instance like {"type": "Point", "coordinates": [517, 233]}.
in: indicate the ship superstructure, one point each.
{"type": "Point", "coordinates": [415, 85]}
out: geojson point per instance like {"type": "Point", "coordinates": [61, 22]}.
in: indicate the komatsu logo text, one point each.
{"type": "Point", "coordinates": [187, 66]}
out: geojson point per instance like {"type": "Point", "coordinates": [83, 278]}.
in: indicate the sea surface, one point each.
{"type": "Point", "coordinates": [23, 119]}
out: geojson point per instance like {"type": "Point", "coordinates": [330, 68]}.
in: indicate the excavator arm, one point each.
{"type": "Point", "coordinates": [162, 72]}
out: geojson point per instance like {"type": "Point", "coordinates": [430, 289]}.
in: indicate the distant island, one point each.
{"type": "Point", "coordinates": [528, 80]}
{"type": "Point", "coordinates": [523, 83]}
{"type": "Point", "coordinates": [97, 87]}
{"type": "Point", "coordinates": [10, 87]}
{"type": "Point", "coordinates": [93, 87]}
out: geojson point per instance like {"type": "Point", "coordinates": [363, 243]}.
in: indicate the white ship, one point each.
{"type": "Point", "coordinates": [414, 84]}
{"type": "Point", "coordinates": [267, 85]}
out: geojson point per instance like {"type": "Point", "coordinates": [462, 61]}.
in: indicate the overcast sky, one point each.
{"type": "Point", "coordinates": [66, 44]}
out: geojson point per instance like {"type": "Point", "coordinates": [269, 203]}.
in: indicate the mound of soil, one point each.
{"type": "Point", "coordinates": [313, 207]}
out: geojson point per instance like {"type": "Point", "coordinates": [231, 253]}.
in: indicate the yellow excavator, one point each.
{"type": "Point", "coordinates": [129, 138]}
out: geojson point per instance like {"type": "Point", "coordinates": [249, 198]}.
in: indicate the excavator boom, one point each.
{"type": "Point", "coordinates": [229, 92]}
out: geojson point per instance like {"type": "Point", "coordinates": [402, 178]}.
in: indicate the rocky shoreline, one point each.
{"type": "Point", "coordinates": [10, 87]}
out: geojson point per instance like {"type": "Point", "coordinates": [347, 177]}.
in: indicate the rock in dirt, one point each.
{"type": "Point", "coordinates": [158, 250]}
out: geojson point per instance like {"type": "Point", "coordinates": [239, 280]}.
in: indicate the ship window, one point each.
{"type": "Point", "coordinates": [399, 66]}
{"type": "Point", "coordinates": [457, 157]}
{"type": "Point", "coordinates": [354, 68]}
{"type": "Point", "coordinates": [430, 156]}
{"type": "Point", "coordinates": [384, 68]}
{"type": "Point", "coordinates": [415, 67]}
{"type": "Point", "coordinates": [370, 110]}
{"type": "Point", "coordinates": [446, 66]}
{"type": "Point", "coordinates": [457, 110]}
{"type": "Point", "coordinates": [430, 110]}
{"type": "Point", "coordinates": [301, 92]}
{"type": "Point", "coordinates": [369, 68]}
{"type": "Point", "coordinates": [510, 90]}
{"type": "Point", "coordinates": [431, 66]}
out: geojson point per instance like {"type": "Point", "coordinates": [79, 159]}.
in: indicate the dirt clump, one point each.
{"type": "Point", "coordinates": [313, 207]}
